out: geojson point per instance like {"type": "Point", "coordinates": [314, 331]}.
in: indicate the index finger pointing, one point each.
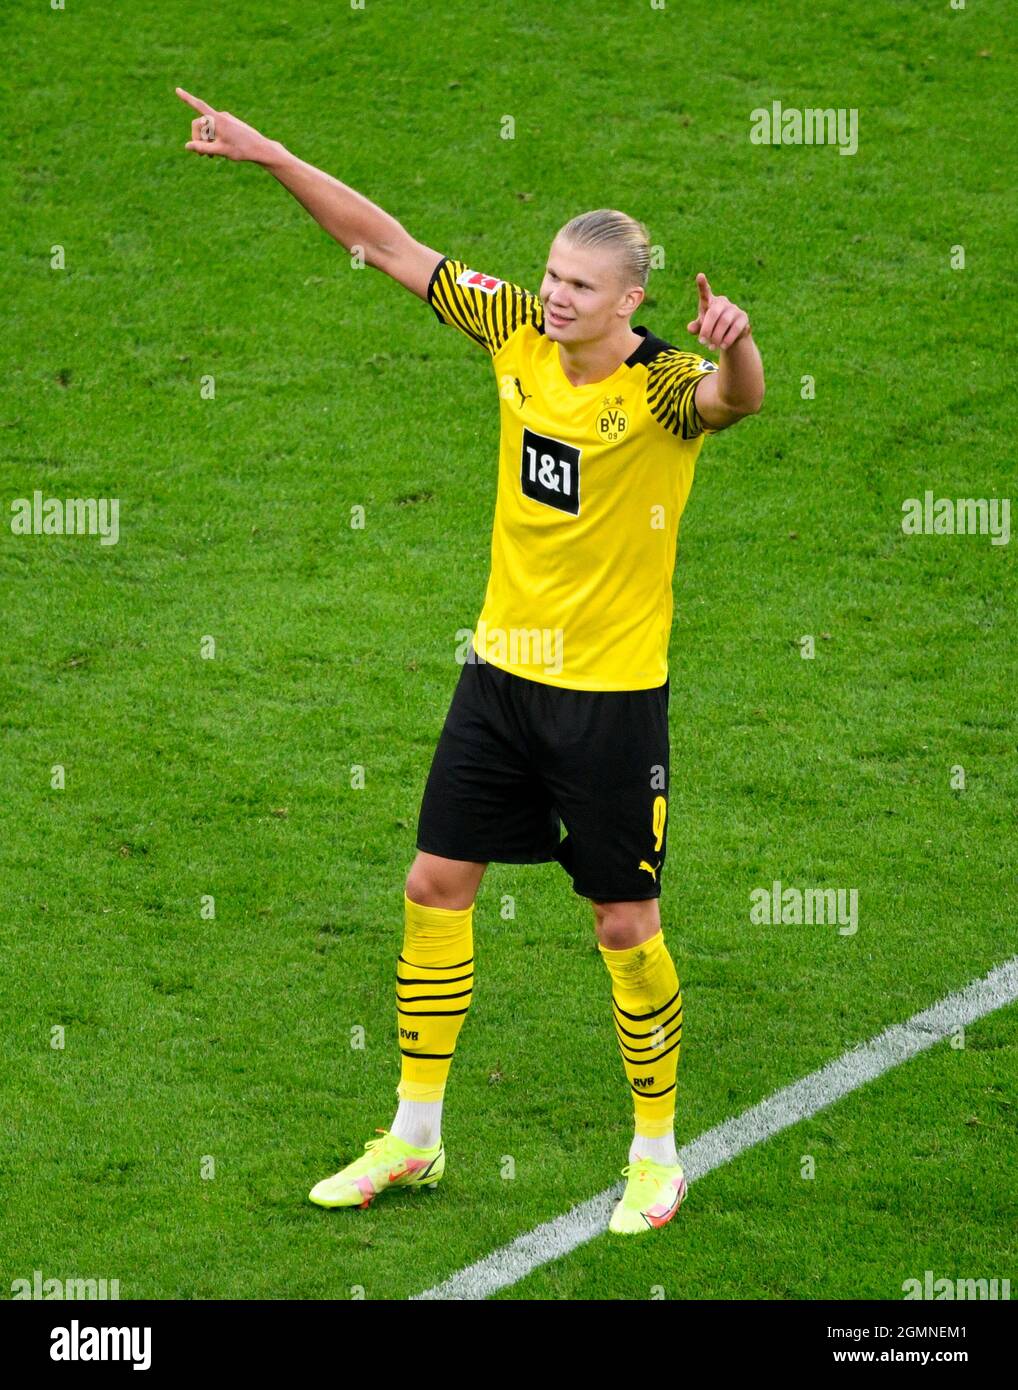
{"type": "Point", "coordinates": [706, 293]}
{"type": "Point", "coordinates": [196, 102]}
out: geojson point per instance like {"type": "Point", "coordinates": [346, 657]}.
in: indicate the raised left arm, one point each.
{"type": "Point", "coordinates": [736, 389]}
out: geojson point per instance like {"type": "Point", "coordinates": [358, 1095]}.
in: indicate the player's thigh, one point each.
{"type": "Point", "coordinates": [434, 881]}
{"type": "Point", "coordinates": [610, 784]}
{"type": "Point", "coordinates": [483, 800]}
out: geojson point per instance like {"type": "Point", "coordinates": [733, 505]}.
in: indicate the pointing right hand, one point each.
{"type": "Point", "coordinates": [232, 137]}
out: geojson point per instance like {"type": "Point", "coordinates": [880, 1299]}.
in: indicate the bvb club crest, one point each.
{"type": "Point", "coordinates": [612, 422]}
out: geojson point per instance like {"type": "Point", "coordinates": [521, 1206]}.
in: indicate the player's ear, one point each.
{"type": "Point", "coordinates": [632, 299]}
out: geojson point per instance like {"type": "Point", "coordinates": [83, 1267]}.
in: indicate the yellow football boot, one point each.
{"type": "Point", "coordinates": [653, 1195]}
{"type": "Point", "coordinates": [386, 1162]}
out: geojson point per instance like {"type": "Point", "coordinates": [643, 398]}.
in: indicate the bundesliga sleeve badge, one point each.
{"type": "Point", "coordinates": [474, 280]}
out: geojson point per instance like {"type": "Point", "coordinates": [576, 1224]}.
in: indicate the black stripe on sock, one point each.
{"type": "Point", "coordinates": [452, 980]}
{"type": "Point", "coordinates": [650, 1061]}
{"type": "Point", "coordinates": [456, 965]}
{"type": "Point", "coordinates": [421, 998]}
{"type": "Point", "coordinates": [631, 1048]}
{"type": "Point", "coordinates": [637, 1092]}
{"type": "Point", "coordinates": [430, 1013]}
{"type": "Point", "coordinates": [638, 1018]}
{"type": "Point", "coordinates": [658, 1029]}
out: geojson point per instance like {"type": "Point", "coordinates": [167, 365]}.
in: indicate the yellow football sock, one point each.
{"type": "Point", "coordinates": [434, 980]}
{"type": "Point", "coordinates": [647, 1011]}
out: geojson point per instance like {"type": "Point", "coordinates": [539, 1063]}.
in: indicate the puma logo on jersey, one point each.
{"type": "Point", "coordinates": [651, 871]}
{"type": "Point", "coordinates": [524, 395]}
{"type": "Point", "coordinates": [474, 280]}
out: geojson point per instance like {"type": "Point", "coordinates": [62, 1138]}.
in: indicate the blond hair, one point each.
{"type": "Point", "coordinates": [621, 233]}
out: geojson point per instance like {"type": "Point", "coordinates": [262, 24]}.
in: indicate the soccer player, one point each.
{"type": "Point", "coordinates": [560, 713]}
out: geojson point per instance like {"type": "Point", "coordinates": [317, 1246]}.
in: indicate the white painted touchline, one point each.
{"type": "Point", "coordinates": [513, 1262]}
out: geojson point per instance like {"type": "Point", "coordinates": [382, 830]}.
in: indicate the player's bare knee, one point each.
{"type": "Point", "coordinates": [615, 932]}
{"type": "Point", "coordinates": [435, 882]}
{"type": "Point", "coordinates": [622, 925]}
{"type": "Point", "coordinates": [423, 886]}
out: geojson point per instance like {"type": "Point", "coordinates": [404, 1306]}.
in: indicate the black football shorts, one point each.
{"type": "Point", "coordinates": [516, 757]}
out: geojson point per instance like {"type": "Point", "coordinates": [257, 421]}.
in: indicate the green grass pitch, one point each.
{"type": "Point", "coordinates": [188, 1038]}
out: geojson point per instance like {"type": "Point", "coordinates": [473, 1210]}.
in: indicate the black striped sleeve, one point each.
{"type": "Point", "coordinates": [671, 388]}
{"type": "Point", "coordinates": [486, 309]}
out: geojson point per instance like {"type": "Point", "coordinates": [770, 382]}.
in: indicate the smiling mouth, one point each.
{"type": "Point", "coordinates": [561, 317]}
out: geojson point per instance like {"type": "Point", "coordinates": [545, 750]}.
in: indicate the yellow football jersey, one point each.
{"type": "Point", "coordinates": [592, 481]}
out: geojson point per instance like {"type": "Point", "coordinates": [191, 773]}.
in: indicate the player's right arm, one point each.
{"type": "Point", "coordinates": [350, 218]}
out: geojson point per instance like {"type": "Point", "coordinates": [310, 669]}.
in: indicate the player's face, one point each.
{"type": "Point", "coordinates": [583, 294]}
